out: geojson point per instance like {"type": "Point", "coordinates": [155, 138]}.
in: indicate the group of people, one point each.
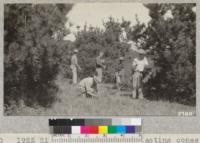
{"type": "Point", "coordinates": [89, 85]}
{"type": "Point", "coordinates": [137, 73]}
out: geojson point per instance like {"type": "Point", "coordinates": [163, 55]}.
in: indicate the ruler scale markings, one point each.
{"type": "Point", "coordinates": [111, 139]}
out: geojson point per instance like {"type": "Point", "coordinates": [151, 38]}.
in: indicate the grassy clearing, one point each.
{"type": "Point", "coordinates": [107, 104]}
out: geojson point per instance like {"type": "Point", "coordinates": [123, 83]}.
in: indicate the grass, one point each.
{"type": "Point", "coordinates": [108, 103]}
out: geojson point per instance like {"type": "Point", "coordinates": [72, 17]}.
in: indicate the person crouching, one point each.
{"type": "Point", "coordinates": [88, 86]}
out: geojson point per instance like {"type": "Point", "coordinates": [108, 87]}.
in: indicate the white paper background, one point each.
{"type": "Point", "coordinates": [151, 124]}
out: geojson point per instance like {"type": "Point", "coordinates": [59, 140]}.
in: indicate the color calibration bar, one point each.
{"type": "Point", "coordinates": [95, 129]}
{"type": "Point", "coordinates": [96, 126]}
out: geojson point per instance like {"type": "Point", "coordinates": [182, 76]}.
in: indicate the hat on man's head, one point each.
{"type": "Point", "coordinates": [141, 51]}
{"type": "Point", "coordinates": [121, 58]}
{"type": "Point", "coordinates": [168, 47]}
{"type": "Point", "coordinates": [75, 50]}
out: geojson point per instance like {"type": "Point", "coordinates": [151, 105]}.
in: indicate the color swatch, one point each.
{"type": "Point", "coordinates": [95, 126]}
{"type": "Point", "coordinates": [96, 129]}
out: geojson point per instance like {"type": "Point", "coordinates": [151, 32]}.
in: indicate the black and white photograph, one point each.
{"type": "Point", "coordinates": [100, 59]}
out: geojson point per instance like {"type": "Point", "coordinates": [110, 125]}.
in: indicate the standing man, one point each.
{"type": "Point", "coordinates": [123, 36]}
{"type": "Point", "coordinates": [139, 65]}
{"type": "Point", "coordinates": [100, 65]}
{"type": "Point", "coordinates": [74, 66]}
{"type": "Point", "coordinates": [119, 75]}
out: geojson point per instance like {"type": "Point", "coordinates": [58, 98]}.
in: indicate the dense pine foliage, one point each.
{"type": "Point", "coordinates": [31, 59]}
{"type": "Point", "coordinates": [173, 43]}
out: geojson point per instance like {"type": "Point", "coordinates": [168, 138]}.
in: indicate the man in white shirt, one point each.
{"type": "Point", "coordinates": [88, 86]}
{"type": "Point", "coordinates": [139, 65]}
{"type": "Point", "coordinates": [74, 66]}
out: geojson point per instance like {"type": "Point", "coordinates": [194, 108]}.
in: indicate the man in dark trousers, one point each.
{"type": "Point", "coordinates": [100, 65]}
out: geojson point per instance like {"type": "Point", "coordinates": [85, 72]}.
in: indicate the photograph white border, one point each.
{"type": "Point", "coordinates": [151, 124]}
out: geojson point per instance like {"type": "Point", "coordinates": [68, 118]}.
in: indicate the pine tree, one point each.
{"type": "Point", "coordinates": [173, 45]}
{"type": "Point", "coordinates": [30, 49]}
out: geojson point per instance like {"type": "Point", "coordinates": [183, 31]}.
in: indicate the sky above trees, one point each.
{"type": "Point", "coordinates": [93, 14]}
